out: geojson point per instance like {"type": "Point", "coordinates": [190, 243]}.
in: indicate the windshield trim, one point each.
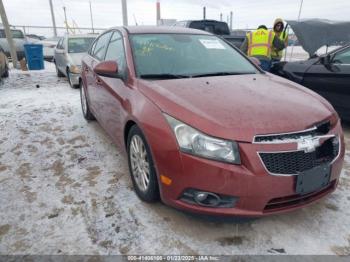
{"type": "Point", "coordinates": [137, 75]}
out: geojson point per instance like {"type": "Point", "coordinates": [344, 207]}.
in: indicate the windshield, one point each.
{"type": "Point", "coordinates": [79, 45]}
{"type": "Point", "coordinates": [15, 34]}
{"type": "Point", "coordinates": [186, 55]}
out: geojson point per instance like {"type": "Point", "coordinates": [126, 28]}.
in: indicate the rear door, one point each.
{"type": "Point", "coordinates": [93, 82]}
{"type": "Point", "coordinates": [332, 81]}
{"type": "Point", "coordinates": [59, 55]}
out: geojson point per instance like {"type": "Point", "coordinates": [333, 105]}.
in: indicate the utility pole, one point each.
{"type": "Point", "coordinates": [53, 19]}
{"type": "Point", "coordinates": [231, 17]}
{"type": "Point", "coordinates": [125, 13]}
{"type": "Point", "coordinates": [204, 13]}
{"type": "Point", "coordinates": [299, 15]}
{"type": "Point", "coordinates": [221, 17]}
{"type": "Point", "coordinates": [92, 21]}
{"type": "Point", "coordinates": [8, 33]}
{"type": "Point", "coordinates": [158, 12]}
{"type": "Point", "coordinates": [301, 7]}
{"type": "Point", "coordinates": [65, 19]}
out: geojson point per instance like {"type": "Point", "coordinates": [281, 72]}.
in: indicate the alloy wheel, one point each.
{"type": "Point", "coordinates": [140, 167]}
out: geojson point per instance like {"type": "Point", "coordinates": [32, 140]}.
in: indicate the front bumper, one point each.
{"type": "Point", "coordinates": [74, 78]}
{"type": "Point", "coordinates": [259, 193]}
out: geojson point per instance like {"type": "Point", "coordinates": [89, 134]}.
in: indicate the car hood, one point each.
{"type": "Point", "coordinates": [75, 58]}
{"type": "Point", "coordinates": [238, 107]}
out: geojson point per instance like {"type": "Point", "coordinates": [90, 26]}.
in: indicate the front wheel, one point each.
{"type": "Point", "coordinates": [141, 166]}
{"type": "Point", "coordinates": [70, 80]}
{"type": "Point", "coordinates": [84, 104]}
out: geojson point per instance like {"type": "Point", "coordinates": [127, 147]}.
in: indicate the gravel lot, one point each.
{"type": "Point", "coordinates": [65, 189]}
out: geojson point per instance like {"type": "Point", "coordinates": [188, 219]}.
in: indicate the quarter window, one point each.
{"type": "Point", "coordinates": [59, 44]}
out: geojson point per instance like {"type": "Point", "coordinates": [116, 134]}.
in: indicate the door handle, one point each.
{"type": "Point", "coordinates": [98, 81]}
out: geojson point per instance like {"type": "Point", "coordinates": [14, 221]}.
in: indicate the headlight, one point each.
{"type": "Point", "coordinates": [75, 69]}
{"type": "Point", "coordinates": [194, 142]}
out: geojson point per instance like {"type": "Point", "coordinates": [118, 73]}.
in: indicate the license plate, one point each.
{"type": "Point", "coordinates": [313, 179]}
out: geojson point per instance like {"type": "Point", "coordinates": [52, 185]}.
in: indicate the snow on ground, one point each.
{"type": "Point", "coordinates": [65, 189]}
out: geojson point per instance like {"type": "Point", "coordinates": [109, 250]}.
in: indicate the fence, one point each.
{"type": "Point", "coordinates": [48, 31]}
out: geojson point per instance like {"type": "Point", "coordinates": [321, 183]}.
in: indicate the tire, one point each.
{"type": "Point", "coordinates": [85, 104]}
{"type": "Point", "coordinates": [138, 150]}
{"type": "Point", "coordinates": [70, 81]}
{"type": "Point", "coordinates": [6, 73]}
{"type": "Point", "coordinates": [58, 72]}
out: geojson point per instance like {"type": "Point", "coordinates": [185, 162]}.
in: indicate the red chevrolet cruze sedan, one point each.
{"type": "Point", "coordinates": [204, 128]}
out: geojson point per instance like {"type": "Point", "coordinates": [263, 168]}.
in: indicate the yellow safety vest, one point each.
{"type": "Point", "coordinates": [278, 54]}
{"type": "Point", "coordinates": [260, 42]}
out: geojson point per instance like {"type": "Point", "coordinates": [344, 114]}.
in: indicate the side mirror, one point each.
{"type": "Point", "coordinates": [255, 61]}
{"type": "Point", "coordinates": [325, 60]}
{"type": "Point", "coordinates": [107, 69]}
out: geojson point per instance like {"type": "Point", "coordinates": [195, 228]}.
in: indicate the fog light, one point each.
{"type": "Point", "coordinates": [208, 199]}
{"type": "Point", "coordinates": [200, 196]}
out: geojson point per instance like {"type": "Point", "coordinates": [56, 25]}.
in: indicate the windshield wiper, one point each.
{"type": "Point", "coordinates": [163, 76]}
{"type": "Point", "coordinates": [223, 74]}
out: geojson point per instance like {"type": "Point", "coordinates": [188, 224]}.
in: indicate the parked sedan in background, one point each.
{"type": "Point", "coordinates": [19, 40]}
{"type": "Point", "coordinates": [68, 54]}
{"type": "Point", "coordinates": [49, 45]}
{"type": "Point", "coordinates": [4, 66]}
{"type": "Point", "coordinates": [207, 130]}
{"type": "Point", "coordinates": [327, 75]}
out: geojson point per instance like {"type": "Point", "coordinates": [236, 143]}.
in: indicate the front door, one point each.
{"type": "Point", "coordinates": [113, 90]}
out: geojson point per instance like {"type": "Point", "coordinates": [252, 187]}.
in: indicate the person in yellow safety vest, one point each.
{"type": "Point", "coordinates": [278, 28]}
{"type": "Point", "coordinates": [259, 44]}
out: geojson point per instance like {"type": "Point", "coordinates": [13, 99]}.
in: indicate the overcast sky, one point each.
{"type": "Point", "coordinates": [107, 13]}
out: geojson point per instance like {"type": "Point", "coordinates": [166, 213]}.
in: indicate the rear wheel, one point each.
{"type": "Point", "coordinates": [6, 73]}
{"type": "Point", "coordinates": [70, 80]}
{"type": "Point", "coordinates": [141, 166]}
{"type": "Point", "coordinates": [84, 104]}
{"type": "Point", "coordinates": [58, 72]}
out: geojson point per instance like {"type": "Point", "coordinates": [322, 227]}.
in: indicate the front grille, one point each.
{"type": "Point", "coordinates": [291, 163]}
{"type": "Point", "coordinates": [296, 200]}
{"type": "Point", "coordinates": [318, 130]}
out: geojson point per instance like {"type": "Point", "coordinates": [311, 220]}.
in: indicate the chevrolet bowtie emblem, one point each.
{"type": "Point", "coordinates": [308, 145]}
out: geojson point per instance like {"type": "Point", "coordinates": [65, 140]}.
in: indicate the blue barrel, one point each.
{"type": "Point", "coordinates": [34, 56]}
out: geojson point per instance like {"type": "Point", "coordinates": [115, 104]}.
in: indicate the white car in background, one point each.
{"type": "Point", "coordinates": [68, 55]}
{"type": "Point", "coordinates": [19, 40]}
{"type": "Point", "coordinates": [49, 45]}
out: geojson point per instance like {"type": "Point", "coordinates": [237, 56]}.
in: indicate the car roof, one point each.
{"type": "Point", "coordinates": [163, 30]}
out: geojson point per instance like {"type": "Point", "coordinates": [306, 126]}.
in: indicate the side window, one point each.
{"type": "Point", "coordinates": [116, 51]}
{"type": "Point", "coordinates": [101, 46]}
{"type": "Point", "coordinates": [342, 57]}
